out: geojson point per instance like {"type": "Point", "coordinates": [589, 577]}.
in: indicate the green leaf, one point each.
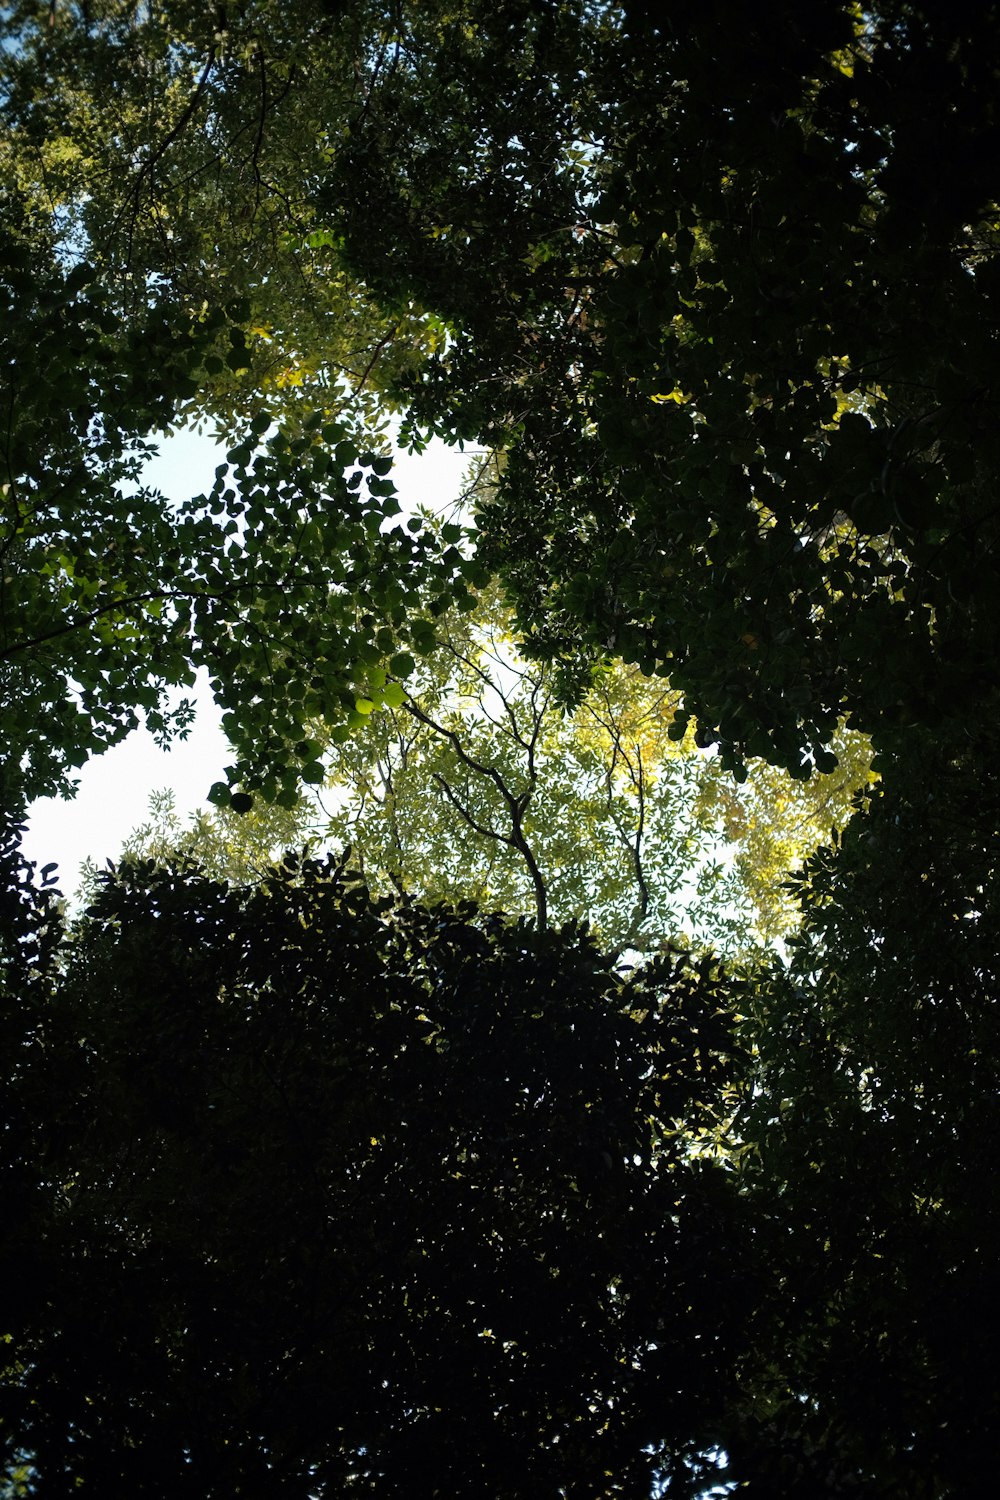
{"type": "Point", "coordinates": [424, 641]}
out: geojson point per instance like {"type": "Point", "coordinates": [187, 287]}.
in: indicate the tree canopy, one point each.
{"type": "Point", "coordinates": [279, 579]}
{"type": "Point", "coordinates": [311, 1186]}
{"type": "Point", "coordinates": [701, 291]}
{"type": "Point", "coordinates": [416, 1195]}
{"type": "Point", "coordinates": [474, 782]}
{"type": "Point", "coordinates": [683, 278]}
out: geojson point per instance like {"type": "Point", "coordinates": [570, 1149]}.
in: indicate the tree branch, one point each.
{"type": "Point", "coordinates": [515, 803]}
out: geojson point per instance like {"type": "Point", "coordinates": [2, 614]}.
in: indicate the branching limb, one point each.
{"type": "Point", "coordinates": [515, 802]}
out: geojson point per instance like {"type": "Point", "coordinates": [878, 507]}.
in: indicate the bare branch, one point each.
{"type": "Point", "coordinates": [516, 804]}
{"type": "Point", "coordinates": [466, 816]}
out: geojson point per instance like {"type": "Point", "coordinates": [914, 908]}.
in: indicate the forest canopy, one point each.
{"type": "Point", "coordinates": [499, 1152]}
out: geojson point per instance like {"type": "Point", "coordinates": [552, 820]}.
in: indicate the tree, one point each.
{"type": "Point", "coordinates": [773, 822]}
{"type": "Point", "coordinates": [174, 147]}
{"type": "Point", "coordinates": [725, 294]}
{"type": "Point", "coordinates": [721, 297]}
{"type": "Point", "coordinates": [78, 399]}
{"type": "Point", "coordinates": [872, 1124]}
{"type": "Point", "coordinates": [475, 783]}
{"type": "Point", "coordinates": [684, 278]}
{"type": "Point", "coordinates": [479, 784]}
{"type": "Point", "coordinates": [122, 314]}
{"type": "Point", "coordinates": [342, 1199]}
{"type": "Point", "coordinates": [279, 579]}
{"type": "Point", "coordinates": [238, 848]}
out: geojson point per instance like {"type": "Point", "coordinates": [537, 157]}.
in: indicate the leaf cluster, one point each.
{"type": "Point", "coordinates": [743, 356]}
{"type": "Point", "coordinates": [337, 1194]}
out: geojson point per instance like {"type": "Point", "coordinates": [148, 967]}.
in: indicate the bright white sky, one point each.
{"type": "Point", "coordinates": [113, 794]}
